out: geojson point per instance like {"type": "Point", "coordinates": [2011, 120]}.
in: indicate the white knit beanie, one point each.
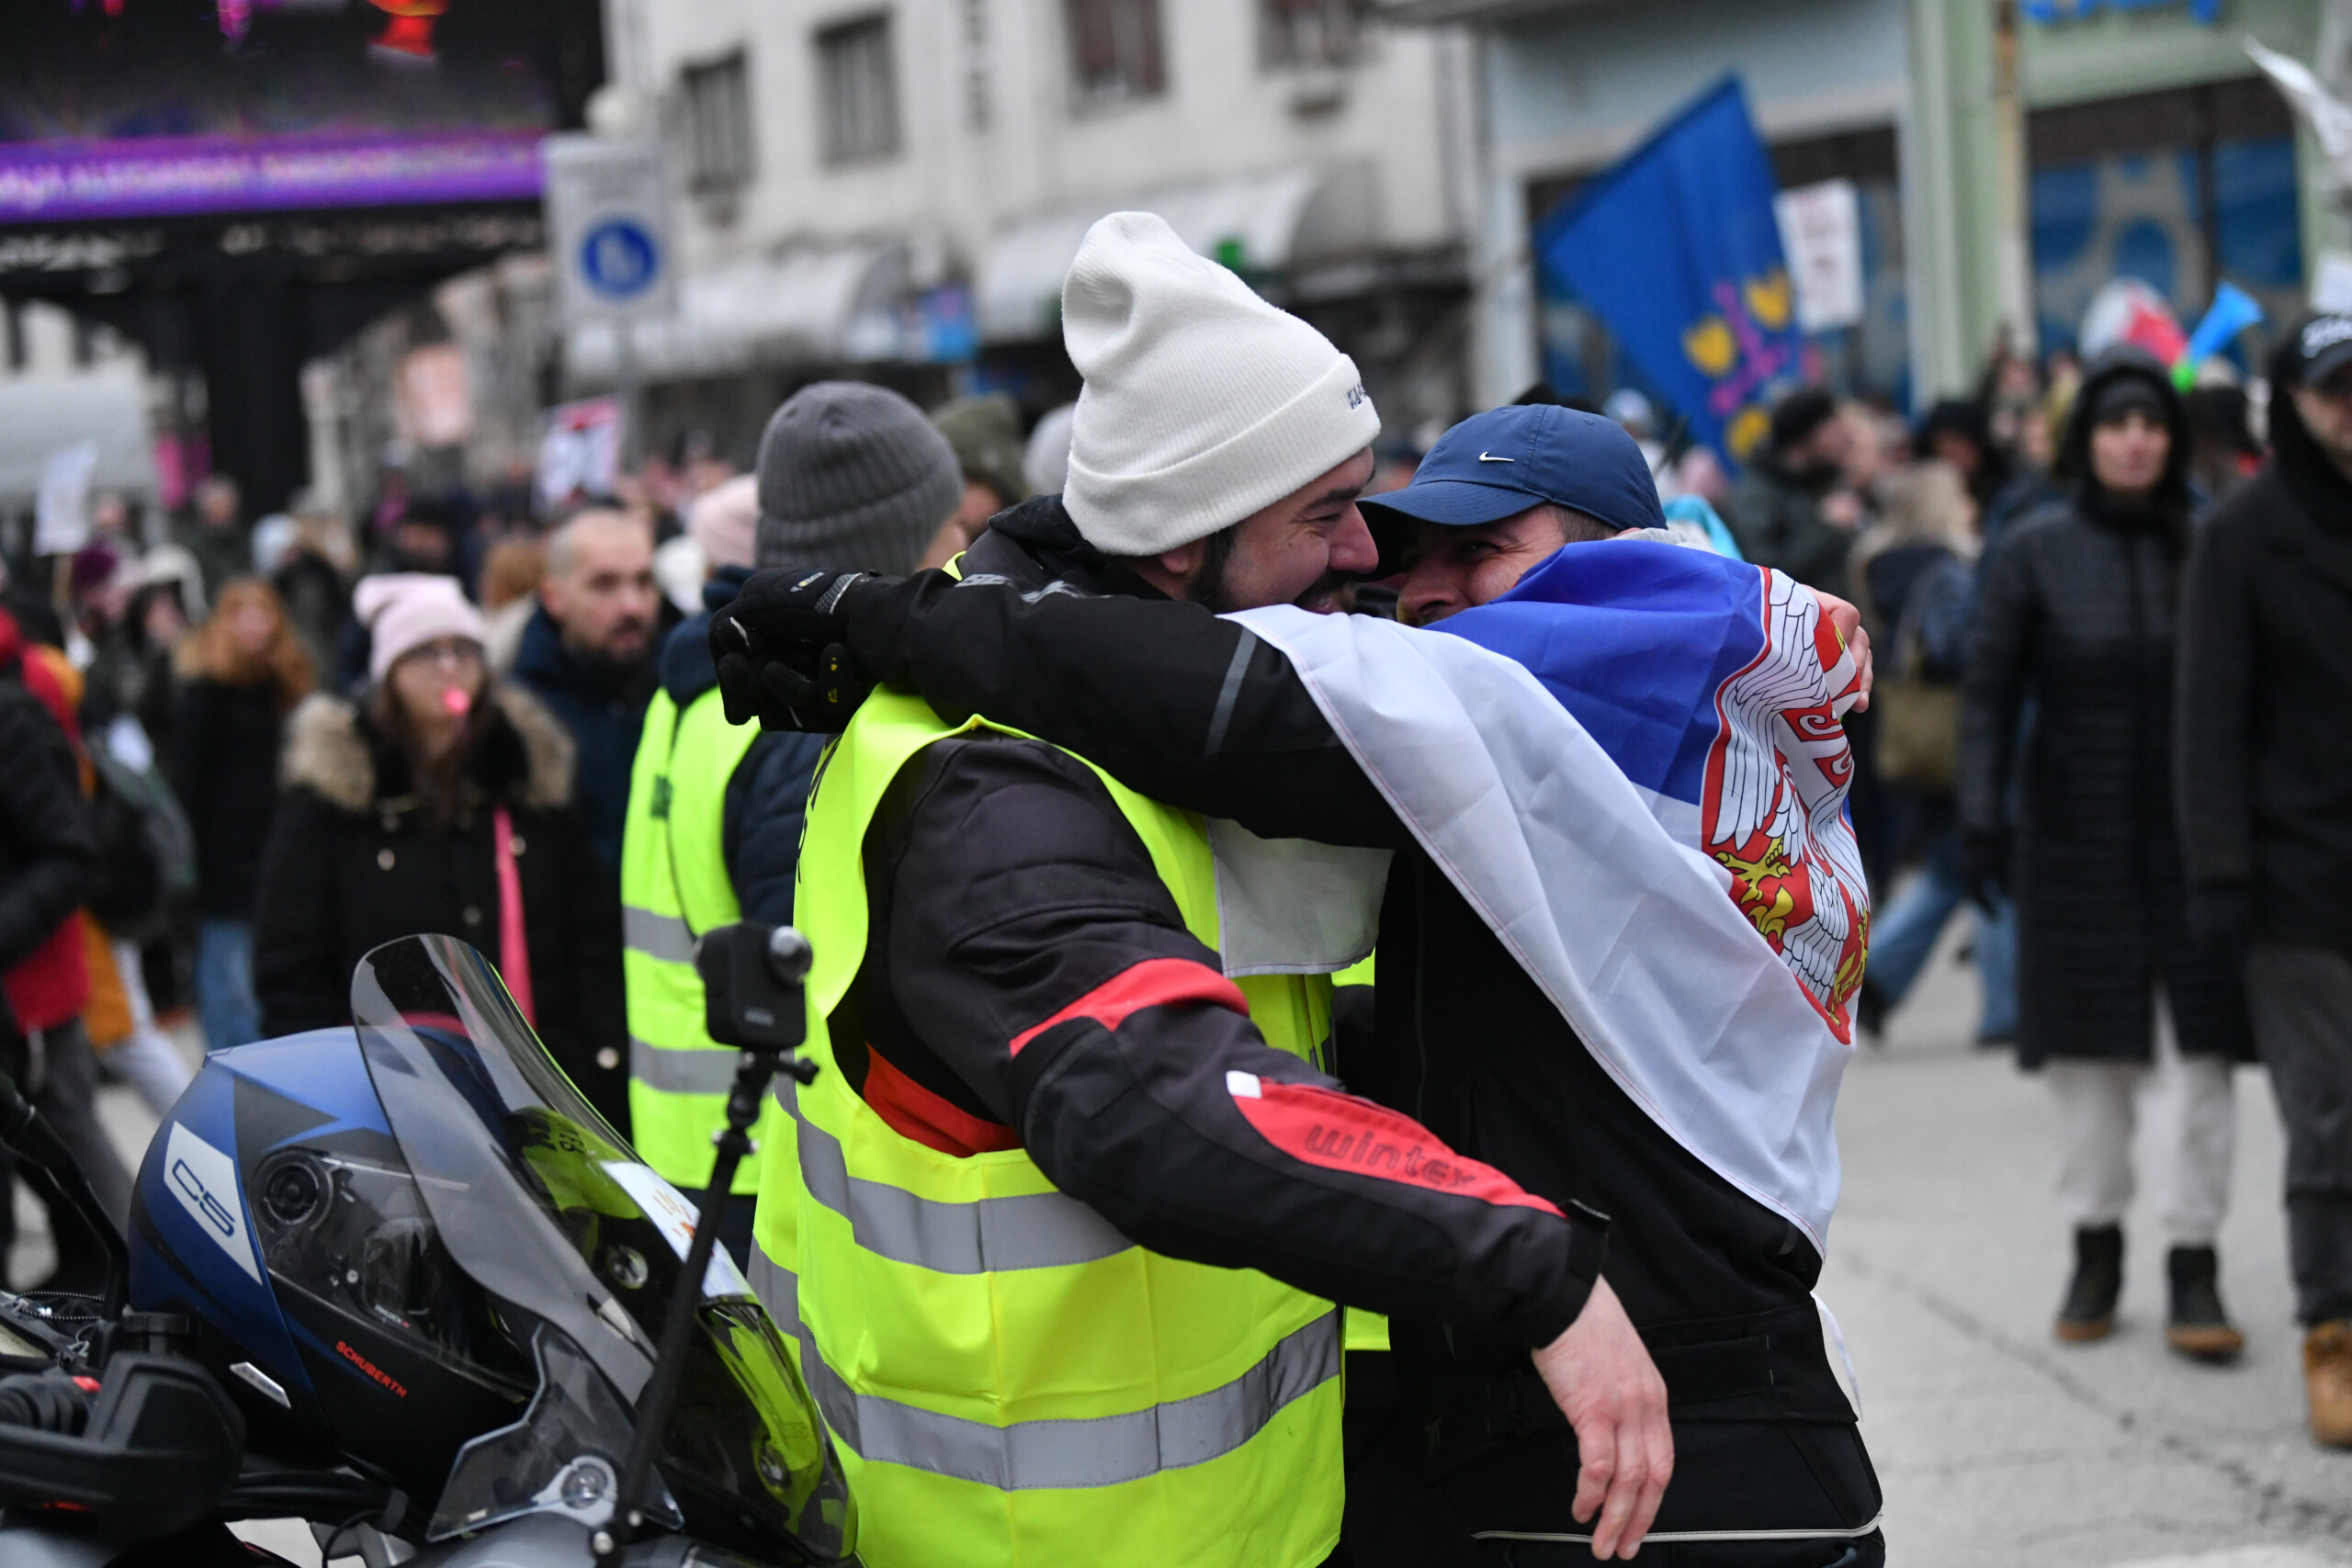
{"type": "Point", "coordinates": [1203, 403]}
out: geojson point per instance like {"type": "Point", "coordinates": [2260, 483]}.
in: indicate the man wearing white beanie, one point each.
{"type": "Point", "coordinates": [1209, 414]}
{"type": "Point", "coordinates": [1071, 1204]}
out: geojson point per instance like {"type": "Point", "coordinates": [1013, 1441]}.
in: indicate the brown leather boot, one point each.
{"type": "Point", "coordinates": [2327, 1377]}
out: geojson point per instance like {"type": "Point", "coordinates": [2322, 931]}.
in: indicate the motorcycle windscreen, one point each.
{"type": "Point", "coordinates": [543, 1205]}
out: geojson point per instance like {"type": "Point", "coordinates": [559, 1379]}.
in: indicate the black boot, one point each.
{"type": "Point", "coordinates": [2089, 1310]}
{"type": "Point", "coordinates": [2198, 1326]}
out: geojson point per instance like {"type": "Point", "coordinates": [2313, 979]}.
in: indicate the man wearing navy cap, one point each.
{"type": "Point", "coordinates": [1500, 492]}
{"type": "Point", "coordinates": [1769, 1469]}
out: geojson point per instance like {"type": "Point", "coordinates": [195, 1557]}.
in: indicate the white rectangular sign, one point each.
{"type": "Point", "coordinates": [608, 226]}
{"type": "Point", "coordinates": [580, 451]}
{"type": "Point", "coordinates": [61, 517]}
{"type": "Point", "coordinates": [1821, 232]}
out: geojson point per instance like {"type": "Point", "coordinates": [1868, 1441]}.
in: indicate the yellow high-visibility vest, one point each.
{"type": "Point", "coordinates": [1364, 1330]}
{"type": "Point", "coordinates": [674, 887]}
{"type": "Point", "coordinates": [1010, 1380]}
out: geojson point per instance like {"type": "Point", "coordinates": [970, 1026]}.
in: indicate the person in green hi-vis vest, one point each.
{"type": "Point", "coordinates": [715, 811]}
{"type": "Point", "coordinates": [1071, 1197]}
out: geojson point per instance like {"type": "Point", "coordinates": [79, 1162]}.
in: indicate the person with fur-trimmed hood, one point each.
{"type": "Point", "coordinates": [442, 802]}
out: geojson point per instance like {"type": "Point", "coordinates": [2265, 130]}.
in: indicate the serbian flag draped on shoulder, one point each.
{"type": "Point", "coordinates": [1632, 766]}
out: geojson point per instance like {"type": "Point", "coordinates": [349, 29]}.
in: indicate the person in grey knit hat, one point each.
{"type": "Point", "coordinates": [852, 474]}
{"type": "Point", "coordinates": [847, 473]}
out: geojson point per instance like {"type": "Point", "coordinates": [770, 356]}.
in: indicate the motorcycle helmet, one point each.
{"type": "Point", "coordinates": [412, 1248]}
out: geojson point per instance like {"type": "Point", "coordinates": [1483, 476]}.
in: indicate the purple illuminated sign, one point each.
{"type": "Point", "coordinates": [161, 177]}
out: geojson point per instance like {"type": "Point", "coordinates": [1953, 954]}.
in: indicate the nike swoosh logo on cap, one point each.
{"type": "Point", "coordinates": [1487, 457]}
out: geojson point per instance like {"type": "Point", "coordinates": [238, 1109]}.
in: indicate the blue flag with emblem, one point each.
{"type": "Point", "coordinates": [1677, 250]}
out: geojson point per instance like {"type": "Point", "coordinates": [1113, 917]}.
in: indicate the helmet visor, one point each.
{"type": "Point", "coordinates": [542, 1204]}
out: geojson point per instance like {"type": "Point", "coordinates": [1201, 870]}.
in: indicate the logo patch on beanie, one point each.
{"type": "Point", "coordinates": [1356, 395]}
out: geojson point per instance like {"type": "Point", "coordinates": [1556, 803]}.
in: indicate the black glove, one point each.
{"type": "Point", "coordinates": [1985, 866]}
{"type": "Point", "coordinates": [2218, 918]}
{"type": "Point", "coordinates": [782, 651]}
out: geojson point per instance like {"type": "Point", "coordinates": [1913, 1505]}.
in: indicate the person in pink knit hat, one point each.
{"type": "Point", "coordinates": [441, 801]}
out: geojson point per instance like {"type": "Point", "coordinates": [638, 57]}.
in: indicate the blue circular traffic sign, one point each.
{"type": "Point", "coordinates": [620, 258]}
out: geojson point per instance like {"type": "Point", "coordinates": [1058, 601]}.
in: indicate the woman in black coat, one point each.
{"type": "Point", "coordinates": [391, 825]}
{"type": "Point", "coordinates": [2077, 617]}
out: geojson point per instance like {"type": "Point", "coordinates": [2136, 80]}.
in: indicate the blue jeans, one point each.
{"type": "Point", "coordinates": [1902, 937]}
{"type": "Point", "coordinates": [1996, 969]}
{"type": "Point", "coordinates": [225, 984]}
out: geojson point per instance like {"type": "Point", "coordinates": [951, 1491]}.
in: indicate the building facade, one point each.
{"type": "Point", "coordinates": [895, 188]}
{"type": "Point", "coordinates": [2008, 155]}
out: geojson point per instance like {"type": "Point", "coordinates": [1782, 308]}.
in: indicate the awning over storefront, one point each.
{"type": "Point", "coordinates": [802, 305]}
{"type": "Point", "coordinates": [1269, 223]}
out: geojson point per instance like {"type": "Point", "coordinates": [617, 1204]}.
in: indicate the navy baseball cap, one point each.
{"type": "Point", "coordinates": [1497, 464]}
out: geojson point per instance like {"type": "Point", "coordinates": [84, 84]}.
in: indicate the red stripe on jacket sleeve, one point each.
{"type": "Point", "coordinates": [1340, 1131]}
{"type": "Point", "coordinates": [930, 1119]}
{"type": "Point", "coordinates": [1154, 983]}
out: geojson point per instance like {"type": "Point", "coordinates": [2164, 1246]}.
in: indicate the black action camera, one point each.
{"type": "Point", "coordinates": [751, 981]}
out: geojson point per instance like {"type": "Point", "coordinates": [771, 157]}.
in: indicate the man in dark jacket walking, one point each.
{"type": "Point", "coordinates": [2264, 800]}
{"type": "Point", "coordinates": [588, 655]}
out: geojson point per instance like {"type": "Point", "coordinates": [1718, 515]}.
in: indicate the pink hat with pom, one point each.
{"type": "Point", "coordinates": [723, 521]}
{"type": "Point", "coordinates": [404, 610]}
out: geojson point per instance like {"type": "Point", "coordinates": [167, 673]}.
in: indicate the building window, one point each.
{"type": "Point", "coordinates": [718, 104]}
{"type": "Point", "coordinates": [1309, 32]}
{"type": "Point", "coordinates": [1115, 49]}
{"type": "Point", "coordinates": [858, 90]}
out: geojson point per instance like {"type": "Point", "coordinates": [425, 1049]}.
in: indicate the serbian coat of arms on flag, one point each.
{"type": "Point", "coordinates": [1634, 768]}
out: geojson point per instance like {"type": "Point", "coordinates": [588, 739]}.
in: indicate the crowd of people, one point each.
{"type": "Point", "coordinates": [297, 738]}
{"type": "Point", "coordinates": [2111, 622]}
{"type": "Point", "coordinates": [2110, 637]}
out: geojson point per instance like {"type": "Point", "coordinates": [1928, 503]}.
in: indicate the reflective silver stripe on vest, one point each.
{"type": "Point", "coordinates": [1036, 1230]}
{"type": "Point", "coordinates": [665, 937]}
{"type": "Point", "coordinates": [1106, 1451]}
{"type": "Point", "coordinates": [777, 1287]}
{"type": "Point", "coordinates": [682, 1069]}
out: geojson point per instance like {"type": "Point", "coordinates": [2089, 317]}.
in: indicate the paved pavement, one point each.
{"type": "Point", "coordinates": [1996, 1445]}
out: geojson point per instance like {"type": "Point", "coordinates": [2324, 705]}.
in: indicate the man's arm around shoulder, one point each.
{"type": "Point", "coordinates": [1035, 951]}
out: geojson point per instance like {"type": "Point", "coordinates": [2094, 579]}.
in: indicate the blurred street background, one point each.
{"type": "Point", "coordinates": [894, 191]}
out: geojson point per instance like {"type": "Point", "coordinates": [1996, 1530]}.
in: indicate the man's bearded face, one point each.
{"type": "Point", "coordinates": [1300, 550]}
